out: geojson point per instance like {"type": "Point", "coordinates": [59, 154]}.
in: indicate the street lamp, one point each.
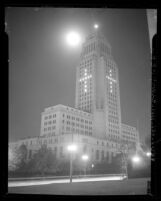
{"type": "Point", "coordinates": [136, 159]}
{"type": "Point", "coordinates": [96, 26]}
{"type": "Point", "coordinates": [71, 148]}
{"type": "Point", "coordinates": [124, 152]}
{"type": "Point", "coordinates": [148, 154]}
{"type": "Point", "coordinates": [85, 159]}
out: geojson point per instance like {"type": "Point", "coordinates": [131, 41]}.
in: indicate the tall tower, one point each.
{"type": "Point", "coordinates": [97, 86]}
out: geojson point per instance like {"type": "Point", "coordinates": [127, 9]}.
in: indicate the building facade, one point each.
{"type": "Point", "coordinates": [97, 87]}
{"type": "Point", "coordinates": [95, 122]}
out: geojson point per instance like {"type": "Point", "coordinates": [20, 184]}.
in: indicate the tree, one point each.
{"type": "Point", "coordinates": [43, 161]}
{"type": "Point", "coordinates": [17, 157]}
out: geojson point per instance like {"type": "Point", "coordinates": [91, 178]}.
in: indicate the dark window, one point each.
{"type": "Point", "coordinates": [97, 154]}
{"type": "Point", "coordinates": [102, 155]}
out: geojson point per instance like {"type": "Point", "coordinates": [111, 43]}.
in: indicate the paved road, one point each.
{"type": "Point", "coordinates": [122, 187]}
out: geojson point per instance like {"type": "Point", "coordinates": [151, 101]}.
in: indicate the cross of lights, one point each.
{"type": "Point", "coordinates": [111, 80]}
{"type": "Point", "coordinates": [84, 79]}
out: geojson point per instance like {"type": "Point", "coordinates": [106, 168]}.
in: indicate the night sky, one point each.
{"type": "Point", "coordinates": [42, 67]}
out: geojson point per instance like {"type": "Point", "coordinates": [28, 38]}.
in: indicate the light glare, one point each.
{"type": "Point", "coordinates": [96, 26]}
{"type": "Point", "coordinates": [85, 157]}
{"type": "Point", "coordinates": [148, 154]}
{"type": "Point", "coordinates": [73, 38]}
{"type": "Point", "coordinates": [72, 147]}
{"type": "Point", "coordinates": [136, 159]}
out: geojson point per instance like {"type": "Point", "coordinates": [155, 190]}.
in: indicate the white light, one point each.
{"type": "Point", "coordinates": [72, 147]}
{"type": "Point", "coordinates": [73, 38]}
{"type": "Point", "coordinates": [85, 157]}
{"type": "Point", "coordinates": [96, 26]}
{"type": "Point", "coordinates": [85, 90]}
{"type": "Point", "coordinates": [148, 154]}
{"type": "Point", "coordinates": [110, 82]}
{"type": "Point", "coordinates": [111, 91]}
{"type": "Point", "coordinates": [136, 159]}
{"type": "Point", "coordinates": [111, 79]}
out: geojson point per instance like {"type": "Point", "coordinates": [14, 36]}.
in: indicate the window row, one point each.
{"type": "Point", "coordinates": [78, 119]}
{"type": "Point", "coordinates": [49, 122]}
{"type": "Point", "coordinates": [50, 116]}
{"type": "Point", "coordinates": [50, 128]}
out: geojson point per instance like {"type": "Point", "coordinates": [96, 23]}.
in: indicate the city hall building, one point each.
{"type": "Point", "coordinates": [94, 125]}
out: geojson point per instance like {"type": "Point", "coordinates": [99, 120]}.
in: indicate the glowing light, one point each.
{"type": "Point", "coordinates": [148, 154]}
{"type": "Point", "coordinates": [111, 91]}
{"type": "Point", "coordinates": [85, 157]}
{"type": "Point", "coordinates": [85, 78]}
{"type": "Point", "coordinates": [136, 159]}
{"type": "Point", "coordinates": [73, 39]}
{"type": "Point", "coordinates": [72, 148]}
{"type": "Point", "coordinates": [96, 26]}
{"type": "Point", "coordinates": [111, 79]}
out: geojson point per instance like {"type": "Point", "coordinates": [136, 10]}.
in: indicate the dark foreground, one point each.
{"type": "Point", "coordinates": [124, 187]}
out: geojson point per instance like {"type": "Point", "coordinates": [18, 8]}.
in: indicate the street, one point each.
{"type": "Point", "coordinates": [81, 187]}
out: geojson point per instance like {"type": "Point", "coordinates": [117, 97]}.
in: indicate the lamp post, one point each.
{"type": "Point", "coordinates": [85, 159]}
{"type": "Point", "coordinates": [124, 151]}
{"type": "Point", "coordinates": [71, 148]}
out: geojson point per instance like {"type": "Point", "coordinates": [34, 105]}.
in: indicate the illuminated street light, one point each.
{"type": "Point", "coordinates": [96, 26]}
{"type": "Point", "coordinates": [71, 148]}
{"type": "Point", "coordinates": [148, 154]}
{"type": "Point", "coordinates": [85, 159]}
{"type": "Point", "coordinates": [136, 159]}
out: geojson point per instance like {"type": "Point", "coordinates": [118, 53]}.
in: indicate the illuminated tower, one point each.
{"type": "Point", "coordinates": [97, 86]}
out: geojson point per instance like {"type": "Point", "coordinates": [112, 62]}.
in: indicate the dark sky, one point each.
{"type": "Point", "coordinates": [42, 69]}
